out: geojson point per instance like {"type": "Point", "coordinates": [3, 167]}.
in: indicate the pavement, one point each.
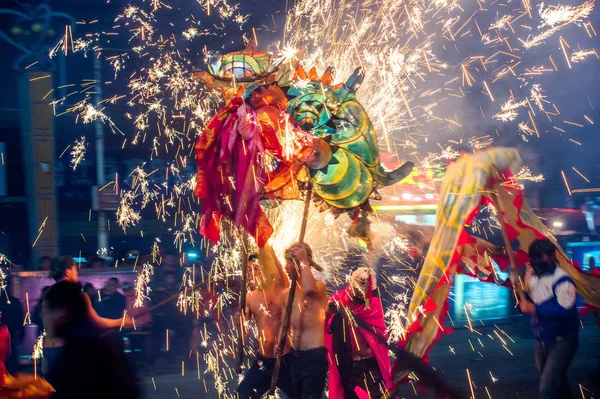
{"type": "Point", "coordinates": [497, 357]}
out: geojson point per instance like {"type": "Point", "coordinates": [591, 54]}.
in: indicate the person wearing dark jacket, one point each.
{"type": "Point", "coordinates": [92, 363]}
{"type": "Point", "coordinates": [113, 303]}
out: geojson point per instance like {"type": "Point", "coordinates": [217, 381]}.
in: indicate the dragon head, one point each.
{"type": "Point", "coordinates": [313, 101]}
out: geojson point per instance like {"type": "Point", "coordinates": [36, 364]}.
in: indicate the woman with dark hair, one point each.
{"type": "Point", "coordinates": [64, 268]}
{"type": "Point", "coordinates": [92, 364]}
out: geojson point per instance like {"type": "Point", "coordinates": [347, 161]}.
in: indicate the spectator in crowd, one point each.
{"type": "Point", "coordinates": [96, 263]}
{"type": "Point", "coordinates": [12, 316]}
{"type": "Point", "coordinates": [113, 303]}
{"type": "Point", "coordinates": [92, 293]}
{"type": "Point", "coordinates": [36, 316]}
{"type": "Point", "coordinates": [64, 268]}
{"type": "Point", "coordinates": [45, 263]}
{"type": "Point", "coordinates": [92, 364]}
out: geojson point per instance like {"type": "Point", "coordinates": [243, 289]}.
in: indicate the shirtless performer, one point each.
{"type": "Point", "coordinates": [263, 303]}
{"type": "Point", "coordinates": [308, 353]}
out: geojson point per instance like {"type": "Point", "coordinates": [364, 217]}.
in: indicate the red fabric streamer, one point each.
{"type": "Point", "coordinates": [230, 174]}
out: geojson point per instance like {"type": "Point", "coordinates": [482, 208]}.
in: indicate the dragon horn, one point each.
{"type": "Point", "coordinates": [355, 80]}
{"type": "Point", "coordinates": [327, 77]}
{"type": "Point", "coordinates": [312, 74]}
{"type": "Point", "coordinates": [300, 74]}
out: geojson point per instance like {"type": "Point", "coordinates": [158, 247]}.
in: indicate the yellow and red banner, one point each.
{"type": "Point", "coordinates": [468, 186]}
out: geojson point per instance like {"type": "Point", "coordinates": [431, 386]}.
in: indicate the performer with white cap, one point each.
{"type": "Point", "coordinates": [359, 365]}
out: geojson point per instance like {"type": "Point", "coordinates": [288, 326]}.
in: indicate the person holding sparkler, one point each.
{"type": "Point", "coordinates": [91, 364]}
{"type": "Point", "coordinates": [64, 268]}
{"type": "Point", "coordinates": [263, 303]}
{"type": "Point", "coordinates": [308, 356]}
{"type": "Point", "coordinates": [359, 364]}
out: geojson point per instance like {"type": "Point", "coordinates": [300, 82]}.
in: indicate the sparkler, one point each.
{"type": "Point", "coordinates": [78, 152]}
{"type": "Point", "coordinates": [38, 352]}
{"type": "Point", "coordinates": [142, 285]}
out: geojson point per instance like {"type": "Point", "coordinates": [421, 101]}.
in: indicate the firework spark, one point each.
{"type": "Point", "coordinates": [142, 285]}
{"type": "Point", "coordinates": [509, 110]}
{"type": "Point", "coordinates": [555, 18]}
{"type": "Point", "coordinates": [78, 152]}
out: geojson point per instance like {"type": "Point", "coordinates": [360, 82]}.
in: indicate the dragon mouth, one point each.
{"type": "Point", "coordinates": [307, 123]}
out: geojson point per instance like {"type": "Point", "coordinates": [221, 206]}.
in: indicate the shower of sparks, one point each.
{"type": "Point", "coordinates": [126, 215]}
{"type": "Point", "coordinates": [142, 285]}
{"type": "Point", "coordinates": [3, 284]}
{"type": "Point", "coordinates": [396, 318]}
{"type": "Point", "coordinates": [525, 174]}
{"type": "Point", "coordinates": [555, 18]}
{"type": "Point", "coordinates": [525, 130]}
{"type": "Point", "coordinates": [78, 151]}
{"type": "Point", "coordinates": [413, 90]}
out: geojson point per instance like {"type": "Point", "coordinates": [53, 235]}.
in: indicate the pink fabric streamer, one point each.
{"type": "Point", "coordinates": [372, 316]}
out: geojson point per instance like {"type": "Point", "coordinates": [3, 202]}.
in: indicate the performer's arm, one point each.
{"type": "Point", "coordinates": [101, 321]}
{"type": "Point", "coordinates": [269, 255]}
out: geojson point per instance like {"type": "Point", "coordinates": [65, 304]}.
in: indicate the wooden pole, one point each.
{"type": "Point", "coordinates": [514, 275]}
{"type": "Point", "coordinates": [288, 309]}
{"type": "Point", "coordinates": [243, 291]}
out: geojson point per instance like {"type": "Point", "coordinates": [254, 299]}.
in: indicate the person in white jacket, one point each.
{"type": "Point", "coordinates": [551, 301]}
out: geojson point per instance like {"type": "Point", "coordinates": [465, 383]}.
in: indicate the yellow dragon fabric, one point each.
{"type": "Point", "coordinates": [469, 181]}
